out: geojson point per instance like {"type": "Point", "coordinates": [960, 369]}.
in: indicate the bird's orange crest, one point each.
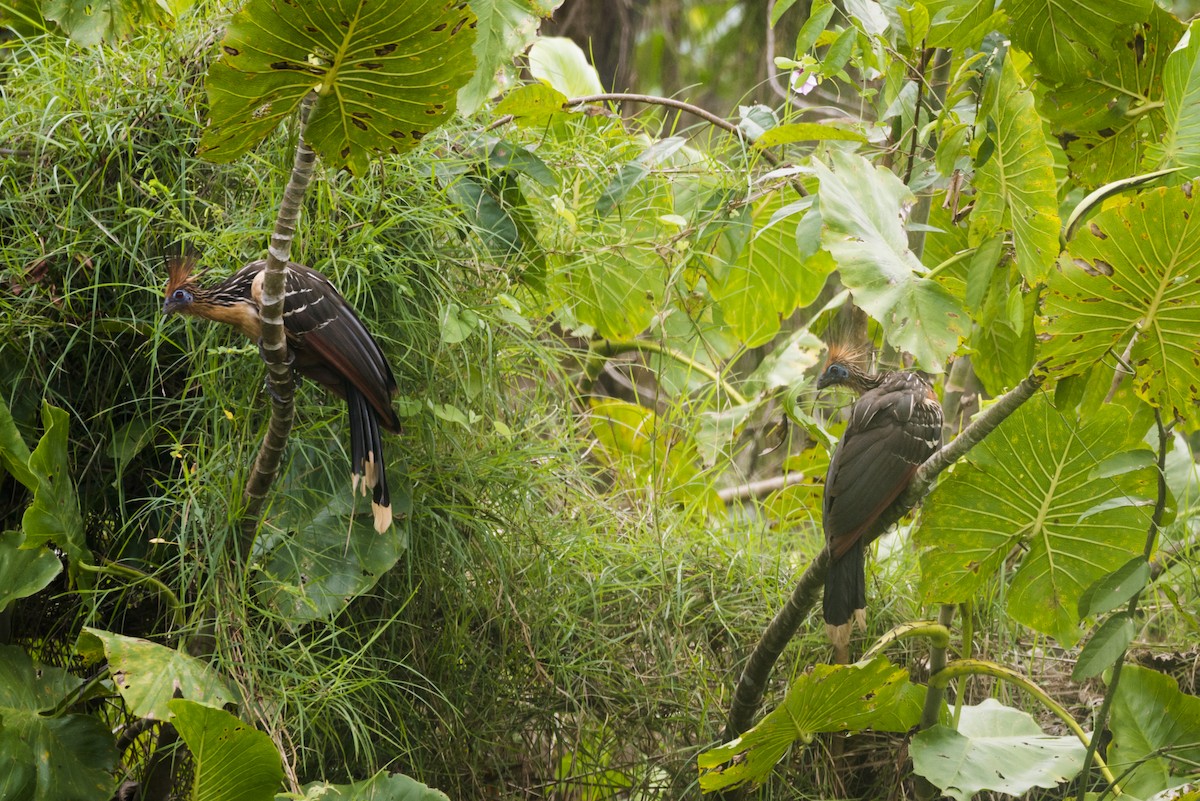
{"type": "Point", "coordinates": [857, 356]}
{"type": "Point", "coordinates": [180, 272]}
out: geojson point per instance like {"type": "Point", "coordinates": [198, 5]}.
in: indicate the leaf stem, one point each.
{"type": "Point", "coordinates": [970, 667]}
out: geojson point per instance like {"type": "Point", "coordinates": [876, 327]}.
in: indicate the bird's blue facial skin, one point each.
{"type": "Point", "coordinates": [836, 374]}
{"type": "Point", "coordinates": [178, 298]}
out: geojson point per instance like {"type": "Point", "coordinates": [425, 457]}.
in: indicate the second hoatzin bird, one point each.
{"type": "Point", "coordinates": [895, 425]}
{"type": "Point", "coordinates": [327, 343]}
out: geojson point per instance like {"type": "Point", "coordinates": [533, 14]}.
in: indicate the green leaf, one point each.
{"type": "Point", "coordinates": [1113, 112]}
{"type": "Point", "coordinates": [129, 440]}
{"type": "Point", "coordinates": [90, 23]}
{"type": "Point", "coordinates": [1016, 187]}
{"type": "Point", "coordinates": [1062, 34]}
{"type": "Point", "coordinates": [560, 63]}
{"type": "Point", "coordinates": [54, 514]}
{"type": "Point", "coordinates": [232, 761]}
{"type": "Point", "coordinates": [1132, 269]}
{"type": "Point", "coordinates": [961, 24]}
{"type": "Point", "coordinates": [489, 220]}
{"type": "Point", "coordinates": [14, 453]}
{"type": "Point", "coordinates": [819, 17]}
{"type": "Point", "coordinates": [52, 758]}
{"type": "Point", "coordinates": [24, 571]}
{"type": "Point", "coordinates": [806, 132]}
{"type": "Point", "coordinates": [1002, 353]}
{"type": "Point", "coordinates": [504, 28]}
{"type": "Point", "coordinates": [1109, 641]}
{"type": "Point", "coordinates": [386, 75]}
{"type": "Point", "coordinates": [862, 209]}
{"type": "Point", "coordinates": [319, 552]}
{"type": "Point", "coordinates": [508, 156]}
{"type": "Point", "coordinates": [995, 748]}
{"type": "Point", "coordinates": [1180, 144]}
{"type": "Point", "coordinates": [1150, 713]}
{"type": "Point", "coordinates": [532, 104]}
{"type": "Point", "coordinates": [761, 282]}
{"type": "Point", "coordinates": [1027, 485]}
{"type": "Point", "coordinates": [829, 698]}
{"type": "Point", "coordinates": [148, 675]}
{"type": "Point", "coordinates": [1114, 589]}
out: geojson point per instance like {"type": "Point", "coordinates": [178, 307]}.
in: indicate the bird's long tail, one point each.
{"type": "Point", "coordinates": [366, 457]}
{"type": "Point", "coordinates": [845, 597]}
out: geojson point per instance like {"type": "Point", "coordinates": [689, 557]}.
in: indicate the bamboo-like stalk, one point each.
{"type": "Point", "coordinates": [274, 342]}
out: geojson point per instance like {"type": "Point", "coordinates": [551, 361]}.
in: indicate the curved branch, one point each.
{"type": "Point", "coordinates": [603, 349]}
{"type": "Point", "coordinates": [273, 344]}
{"type": "Point", "coordinates": [749, 692]}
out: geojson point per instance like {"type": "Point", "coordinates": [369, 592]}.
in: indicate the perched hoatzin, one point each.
{"type": "Point", "coordinates": [895, 425]}
{"type": "Point", "coordinates": [327, 343]}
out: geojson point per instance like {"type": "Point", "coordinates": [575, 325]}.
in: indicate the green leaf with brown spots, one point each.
{"type": "Point", "coordinates": [1063, 35]}
{"type": "Point", "coordinates": [91, 22]}
{"type": "Point", "coordinates": [1106, 119]}
{"type": "Point", "coordinates": [386, 74]}
{"type": "Point", "coordinates": [1029, 487]}
{"type": "Point", "coordinates": [1133, 268]}
{"type": "Point", "coordinates": [1016, 186]}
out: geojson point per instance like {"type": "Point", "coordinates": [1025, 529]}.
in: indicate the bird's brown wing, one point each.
{"type": "Point", "coordinates": [331, 344]}
{"type": "Point", "coordinates": [893, 429]}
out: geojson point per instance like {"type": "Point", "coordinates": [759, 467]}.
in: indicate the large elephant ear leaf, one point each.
{"type": "Point", "coordinates": [386, 74]}
{"type": "Point", "coordinates": [1134, 271]}
{"type": "Point", "coordinates": [1053, 488]}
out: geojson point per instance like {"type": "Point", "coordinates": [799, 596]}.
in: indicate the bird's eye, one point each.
{"type": "Point", "coordinates": [839, 371]}
{"type": "Point", "coordinates": [180, 295]}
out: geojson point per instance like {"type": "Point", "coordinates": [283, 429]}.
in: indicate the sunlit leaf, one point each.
{"type": "Point", "coordinates": [829, 698]}
{"type": "Point", "coordinates": [560, 63]}
{"type": "Point", "coordinates": [863, 208]}
{"type": "Point", "coordinates": [1028, 485]}
{"type": "Point", "coordinates": [532, 104]}
{"type": "Point", "coordinates": [995, 748]}
{"type": "Point", "coordinates": [1110, 591]}
{"type": "Point", "coordinates": [1133, 269]}
{"type": "Point", "coordinates": [1016, 186]}
{"type": "Point", "coordinates": [54, 514]}
{"type": "Point", "coordinates": [386, 75]}
{"type": "Point", "coordinates": [148, 675]}
{"type": "Point", "coordinates": [231, 760]}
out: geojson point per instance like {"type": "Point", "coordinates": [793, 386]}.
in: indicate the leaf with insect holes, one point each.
{"type": "Point", "coordinates": [385, 75]}
{"type": "Point", "coordinates": [1133, 271]}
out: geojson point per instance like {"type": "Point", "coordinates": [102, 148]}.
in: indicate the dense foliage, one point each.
{"type": "Point", "coordinates": [605, 329]}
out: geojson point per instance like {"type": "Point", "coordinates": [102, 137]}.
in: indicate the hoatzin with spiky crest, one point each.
{"type": "Point", "coordinates": [327, 343]}
{"type": "Point", "coordinates": [895, 425]}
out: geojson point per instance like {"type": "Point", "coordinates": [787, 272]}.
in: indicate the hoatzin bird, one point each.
{"type": "Point", "coordinates": [895, 425]}
{"type": "Point", "coordinates": [327, 343]}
